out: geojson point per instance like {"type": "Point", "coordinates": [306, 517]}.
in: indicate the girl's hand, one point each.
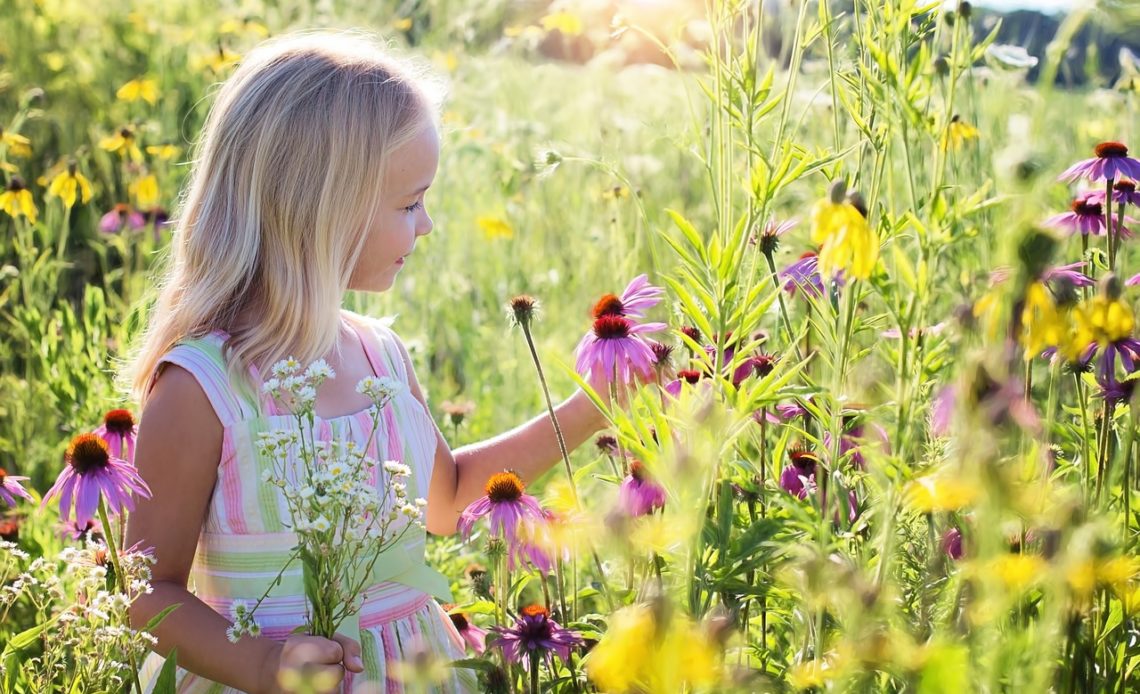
{"type": "Point", "coordinates": [310, 659]}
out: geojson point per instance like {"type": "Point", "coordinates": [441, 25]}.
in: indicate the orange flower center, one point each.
{"type": "Point", "coordinates": [3, 474]}
{"type": "Point", "coordinates": [1106, 150]}
{"type": "Point", "coordinates": [88, 452]}
{"type": "Point", "coordinates": [1125, 186]}
{"type": "Point", "coordinates": [689, 375]}
{"type": "Point", "coordinates": [504, 486]}
{"type": "Point", "coordinates": [535, 611]}
{"type": "Point", "coordinates": [609, 305]}
{"type": "Point", "coordinates": [802, 458]}
{"type": "Point", "coordinates": [637, 471]}
{"type": "Point", "coordinates": [119, 421]}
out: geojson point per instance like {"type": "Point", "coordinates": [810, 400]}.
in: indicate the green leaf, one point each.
{"type": "Point", "coordinates": [157, 619]}
{"type": "Point", "coordinates": [28, 636]}
{"type": "Point", "coordinates": [473, 664]}
{"type": "Point", "coordinates": [165, 684]}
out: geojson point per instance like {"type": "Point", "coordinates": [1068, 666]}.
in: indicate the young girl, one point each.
{"type": "Point", "coordinates": [309, 181]}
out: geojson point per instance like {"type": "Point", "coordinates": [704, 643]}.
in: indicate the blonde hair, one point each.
{"type": "Point", "coordinates": [288, 171]}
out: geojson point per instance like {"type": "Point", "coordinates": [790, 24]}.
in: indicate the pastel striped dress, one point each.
{"type": "Point", "coordinates": [245, 541]}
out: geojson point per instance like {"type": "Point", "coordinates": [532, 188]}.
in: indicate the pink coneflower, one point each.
{"type": "Point", "coordinates": [1087, 217]}
{"type": "Point", "coordinates": [92, 472]}
{"type": "Point", "coordinates": [1111, 162]}
{"type": "Point", "coordinates": [533, 635]}
{"type": "Point", "coordinates": [1123, 193]}
{"type": "Point", "coordinates": [615, 346]}
{"type": "Point", "coordinates": [10, 488]}
{"type": "Point", "coordinates": [757, 365]}
{"type": "Point", "coordinates": [638, 297]}
{"type": "Point", "coordinates": [798, 478]}
{"type": "Point", "coordinates": [475, 637]}
{"type": "Point", "coordinates": [639, 495]}
{"type": "Point", "coordinates": [804, 274]}
{"type": "Point", "coordinates": [72, 530]}
{"type": "Point", "coordinates": [506, 504]}
{"type": "Point", "coordinates": [119, 216]}
{"type": "Point", "coordinates": [769, 239]}
{"type": "Point", "coordinates": [1070, 273]}
{"type": "Point", "coordinates": [690, 376]}
{"type": "Point", "coordinates": [952, 543]}
{"type": "Point", "coordinates": [119, 430]}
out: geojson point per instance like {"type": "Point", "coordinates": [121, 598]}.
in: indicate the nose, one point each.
{"type": "Point", "coordinates": [425, 226]}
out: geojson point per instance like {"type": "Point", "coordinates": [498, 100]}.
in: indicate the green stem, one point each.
{"type": "Point", "coordinates": [553, 417]}
{"type": "Point", "coordinates": [120, 580]}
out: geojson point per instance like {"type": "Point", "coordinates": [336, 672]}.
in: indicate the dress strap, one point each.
{"type": "Point", "coordinates": [379, 346]}
{"type": "Point", "coordinates": [204, 359]}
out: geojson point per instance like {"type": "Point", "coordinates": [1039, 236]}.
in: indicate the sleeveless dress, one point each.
{"type": "Point", "coordinates": [245, 539]}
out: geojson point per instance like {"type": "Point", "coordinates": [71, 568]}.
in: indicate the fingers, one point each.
{"type": "Point", "coordinates": [351, 648]}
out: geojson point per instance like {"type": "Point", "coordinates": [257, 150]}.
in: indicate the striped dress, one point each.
{"type": "Point", "coordinates": [245, 539]}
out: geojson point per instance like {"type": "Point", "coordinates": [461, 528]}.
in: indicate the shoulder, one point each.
{"type": "Point", "coordinates": [178, 412]}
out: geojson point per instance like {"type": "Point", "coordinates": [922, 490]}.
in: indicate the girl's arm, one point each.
{"type": "Point", "coordinates": [179, 442]}
{"type": "Point", "coordinates": [529, 449]}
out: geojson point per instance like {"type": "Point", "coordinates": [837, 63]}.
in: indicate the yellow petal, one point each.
{"type": "Point", "coordinates": [494, 227]}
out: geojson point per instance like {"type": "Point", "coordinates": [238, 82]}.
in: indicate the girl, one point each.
{"type": "Point", "coordinates": [309, 181]}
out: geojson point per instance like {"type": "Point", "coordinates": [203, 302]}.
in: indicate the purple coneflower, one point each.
{"type": "Point", "coordinates": [71, 530]}
{"type": "Point", "coordinates": [798, 478]}
{"type": "Point", "coordinates": [119, 216]}
{"type": "Point", "coordinates": [10, 488]}
{"type": "Point", "coordinates": [1086, 217]}
{"type": "Point", "coordinates": [475, 637]}
{"type": "Point", "coordinates": [638, 297]}
{"type": "Point", "coordinates": [119, 430]}
{"type": "Point", "coordinates": [769, 239]}
{"type": "Point", "coordinates": [690, 376]}
{"type": "Point", "coordinates": [506, 504]}
{"type": "Point", "coordinates": [1070, 273]}
{"type": "Point", "coordinates": [92, 472]}
{"type": "Point", "coordinates": [1123, 193]}
{"type": "Point", "coordinates": [534, 634]}
{"type": "Point", "coordinates": [639, 495]}
{"type": "Point", "coordinates": [757, 365]}
{"type": "Point", "coordinates": [614, 346]}
{"type": "Point", "coordinates": [1111, 162]}
{"type": "Point", "coordinates": [952, 543]}
{"type": "Point", "coordinates": [804, 274]}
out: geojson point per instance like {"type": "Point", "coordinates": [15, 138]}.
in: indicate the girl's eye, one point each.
{"type": "Point", "coordinates": [413, 207]}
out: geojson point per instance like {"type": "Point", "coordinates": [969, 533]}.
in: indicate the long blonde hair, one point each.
{"type": "Point", "coordinates": [288, 171]}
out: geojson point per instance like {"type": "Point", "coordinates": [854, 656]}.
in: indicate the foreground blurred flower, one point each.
{"type": "Point", "coordinates": [67, 185]}
{"type": "Point", "coordinates": [139, 89]}
{"type": "Point", "coordinates": [1111, 162]}
{"type": "Point", "coordinates": [614, 347]}
{"type": "Point", "coordinates": [643, 653]}
{"type": "Point", "coordinates": [534, 635]}
{"type": "Point", "coordinates": [506, 505]}
{"type": "Point", "coordinates": [120, 215]}
{"type": "Point", "coordinates": [118, 430]}
{"type": "Point", "coordinates": [17, 200]}
{"type": "Point", "coordinates": [639, 494]}
{"type": "Point", "coordinates": [1043, 323]}
{"type": "Point", "coordinates": [91, 473]}
{"type": "Point", "coordinates": [10, 488]}
{"type": "Point", "coordinates": [940, 493]}
{"type": "Point", "coordinates": [847, 242]}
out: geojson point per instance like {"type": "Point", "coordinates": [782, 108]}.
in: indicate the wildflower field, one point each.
{"type": "Point", "coordinates": [874, 429]}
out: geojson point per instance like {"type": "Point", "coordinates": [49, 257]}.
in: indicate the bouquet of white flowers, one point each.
{"type": "Point", "coordinates": [342, 522]}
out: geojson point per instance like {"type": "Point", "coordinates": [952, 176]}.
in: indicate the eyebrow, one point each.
{"type": "Point", "coordinates": [417, 192]}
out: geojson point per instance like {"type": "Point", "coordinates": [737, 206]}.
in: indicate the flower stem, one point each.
{"type": "Point", "coordinates": [120, 579]}
{"type": "Point", "coordinates": [550, 408]}
{"type": "Point", "coordinates": [1108, 225]}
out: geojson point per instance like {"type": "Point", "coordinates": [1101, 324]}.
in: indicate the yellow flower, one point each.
{"type": "Point", "coordinates": [939, 493]}
{"type": "Point", "coordinates": [635, 656]}
{"type": "Point", "coordinates": [144, 89]}
{"type": "Point", "coordinates": [17, 200]}
{"type": "Point", "coordinates": [1101, 319]}
{"type": "Point", "coordinates": [848, 242]}
{"type": "Point", "coordinates": [957, 133]}
{"type": "Point", "coordinates": [68, 184]}
{"type": "Point", "coordinates": [18, 145]}
{"type": "Point", "coordinates": [163, 152]}
{"type": "Point", "coordinates": [145, 191]}
{"type": "Point", "coordinates": [1018, 571]}
{"type": "Point", "coordinates": [402, 23]}
{"type": "Point", "coordinates": [218, 61]}
{"type": "Point", "coordinates": [449, 61]}
{"type": "Point", "coordinates": [494, 227]}
{"type": "Point", "coordinates": [568, 23]}
{"type": "Point", "coordinates": [1043, 325]}
{"type": "Point", "coordinates": [122, 142]}
{"type": "Point", "coordinates": [243, 26]}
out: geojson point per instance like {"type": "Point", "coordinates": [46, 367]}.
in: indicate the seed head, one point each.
{"type": "Point", "coordinates": [523, 309]}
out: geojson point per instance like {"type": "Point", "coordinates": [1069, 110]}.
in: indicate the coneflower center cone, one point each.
{"type": "Point", "coordinates": [119, 422]}
{"type": "Point", "coordinates": [88, 452]}
{"type": "Point", "coordinates": [609, 305]}
{"type": "Point", "coordinates": [611, 327]}
{"type": "Point", "coordinates": [804, 460]}
{"type": "Point", "coordinates": [504, 486]}
{"type": "Point", "coordinates": [1106, 150]}
{"type": "Point", "coordinates": [1084, 207]}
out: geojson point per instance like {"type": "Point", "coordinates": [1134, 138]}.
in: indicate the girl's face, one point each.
{"type": "Point", "coordinates": [391, 235]}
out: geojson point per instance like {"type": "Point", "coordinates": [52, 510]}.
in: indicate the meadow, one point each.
{"type": "Point", "coordinates": [907, 465]}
